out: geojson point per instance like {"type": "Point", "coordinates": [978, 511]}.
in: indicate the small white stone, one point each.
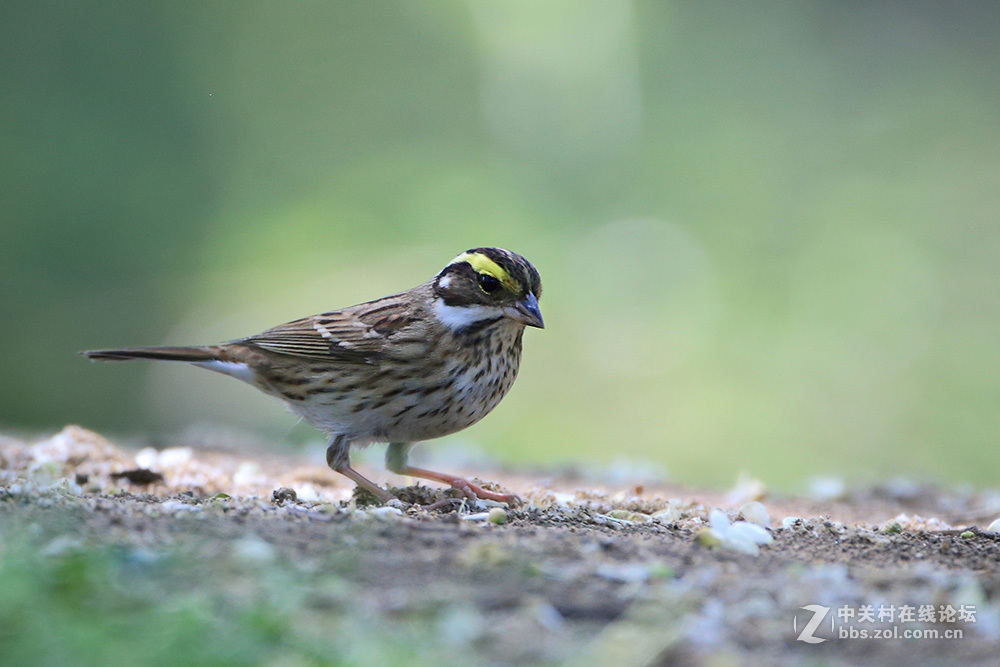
{"type": "Point", "coordinates": [307, 493]}
{"type": "Point", "coordinates": [750, 532]}
{"type": "Point", "coordinates": [45, 474]}
{"type": "Point", "coordinates": [564, 499]}
{"type": "Point", "coordinates": [739, 536]}
{"type": "Point", "coordinates": [718, 520]}
{"type": "Point", "coordinates": [486, 504]}
{"type": "Point", "coordinates": [667, 515]}
{"type": "Point", "coordinates": [611, 520]}
{"type": "Point", "coordinates": [754, 512]}
{"type": "Point", "coordinates": [789, 521]}
{"type": "Point", "coordinates": [147, 458]}
{"type": "Point", "coordinates": [177, 506]}
{"type": "Point", "coordinates": [746, 489]}
{"type": "Point", "coordinates": [994, 527]}
{"type": "Point", "coordinates": [67, 486]}
{"type": "Point", "coordinates": [174, 456]}
{"type": "Point", "coordinates": [385, 511]}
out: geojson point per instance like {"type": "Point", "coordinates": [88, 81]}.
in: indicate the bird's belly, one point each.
{"type": "Point", "coordinates": [412, 408]}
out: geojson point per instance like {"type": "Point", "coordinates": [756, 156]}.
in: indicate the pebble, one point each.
{"type": "Point", "coordinates": [754, 512]}
{"type": "Point", "coordinates": [385, 512]}
{"type": "Point", "coordinates": [667, 515]}
{"type": "Point", "coordinates": [174, 456]}
{"type": "Point", "coordinates": [177, 506]}
{"type": "Point", "coordinates": [307, 493]}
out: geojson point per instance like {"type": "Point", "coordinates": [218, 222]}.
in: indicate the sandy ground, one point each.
{"type": "Point", "coordinates": [582, 573]}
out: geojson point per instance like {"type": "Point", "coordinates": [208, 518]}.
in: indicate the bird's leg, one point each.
{"type": "Point", "coordinates": [338, 457]}
{"type": "Point", "coordinates": [397, 455]}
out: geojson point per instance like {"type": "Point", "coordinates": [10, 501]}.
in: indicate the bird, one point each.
{"type": "Point", "coordinates": [412, 366]}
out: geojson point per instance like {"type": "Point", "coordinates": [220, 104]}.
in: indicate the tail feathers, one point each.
{"type": "Point", "coordinates": [166, 353]}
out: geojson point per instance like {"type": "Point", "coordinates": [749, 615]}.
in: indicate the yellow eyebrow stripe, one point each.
{"type": "Point", "coordinates": [482, 264]}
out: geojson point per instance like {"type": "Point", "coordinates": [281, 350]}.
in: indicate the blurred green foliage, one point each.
{"type": "Point", "coordinates": [767, 231]}
{"type": "Point", "coordinates": [69, 601]}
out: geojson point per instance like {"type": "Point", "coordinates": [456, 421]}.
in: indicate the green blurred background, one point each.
{"type": "Point", "coordinates": [767, 231]}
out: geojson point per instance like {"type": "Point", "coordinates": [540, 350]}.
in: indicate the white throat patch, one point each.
{"type": "Point", "coordinates": [457, 318]}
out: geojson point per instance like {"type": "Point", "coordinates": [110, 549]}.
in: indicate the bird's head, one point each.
{"type": "Point", "coordinates": [486, 285]}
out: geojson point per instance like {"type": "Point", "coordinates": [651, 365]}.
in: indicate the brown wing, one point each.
{"type": "Point", "coordinates": [356, 335]}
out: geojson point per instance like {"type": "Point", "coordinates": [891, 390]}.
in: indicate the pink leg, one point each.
{"type": "Point", "coordinates": [471, 491]}
{"type": "Point", "coordinates": [365, 483]}
{"type": "Point", "coordinates": [338, 458]}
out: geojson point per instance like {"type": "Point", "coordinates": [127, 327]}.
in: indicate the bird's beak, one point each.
{"type": "Point", "coordinates": [526, 312]}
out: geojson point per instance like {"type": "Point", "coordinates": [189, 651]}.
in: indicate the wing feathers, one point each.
{"type": "Point", "coordinates": [353, 335]}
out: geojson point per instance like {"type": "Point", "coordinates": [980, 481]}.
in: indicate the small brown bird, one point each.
{"type": "Point", "coordinates": [412, 366]}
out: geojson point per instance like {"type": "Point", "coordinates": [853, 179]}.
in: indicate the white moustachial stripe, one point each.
{"type": "Point", "coordinates": [459, 317]}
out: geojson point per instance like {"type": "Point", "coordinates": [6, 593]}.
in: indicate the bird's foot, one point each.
{"type": "Point", "coordinates": [476, 492]}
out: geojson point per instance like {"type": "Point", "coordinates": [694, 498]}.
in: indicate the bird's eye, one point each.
{"type": "Point", "coordinates": [488, 283]}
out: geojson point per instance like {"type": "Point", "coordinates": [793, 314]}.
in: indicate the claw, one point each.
{"type": "Point", "coordinates": [395, 460]}
{"type": "Point", "coordinates": [476, 492]}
